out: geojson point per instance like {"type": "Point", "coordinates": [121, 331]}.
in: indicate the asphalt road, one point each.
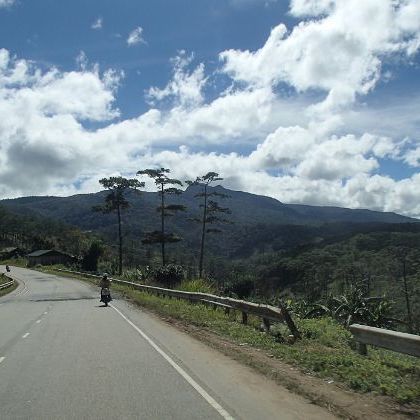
{"type": "Point", "coordinates": [64, 356]}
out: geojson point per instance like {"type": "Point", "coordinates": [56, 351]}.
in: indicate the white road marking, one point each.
{"type": "Point", "coordinates": [1, 359]}
{"type": "Point", "coordinates": [179, 369]}
{"type": "Point", "coordinates": [39, 320]}
{"type": "Point", "coordinates": [25, 335]}
{"type": "Point", "coordinates": [45, 313]}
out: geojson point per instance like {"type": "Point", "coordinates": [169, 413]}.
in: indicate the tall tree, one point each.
{"type": "Point", "coordinates": [115, 201]}
{"type": "Point", "coordinates": [91, 257]}
{"type": "Point", "coordinates": [211, 214]}
{"type": "Point", "coordinates": [165, 186]}
{"type": "Point", "coordinates": [404, 268]}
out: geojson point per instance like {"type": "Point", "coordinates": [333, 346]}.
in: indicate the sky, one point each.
{"type": "Point", "coordinates": [307, 101]}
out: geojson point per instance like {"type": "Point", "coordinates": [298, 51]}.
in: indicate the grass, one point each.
{"type": "Point", "coordinates": [3, 280]}
{"type": "Point", "coordinates": [326, 349]}
{"type": "Point", "coordinates": [197, 285]}
{"type": "Point", "coordinates": [17, 262]}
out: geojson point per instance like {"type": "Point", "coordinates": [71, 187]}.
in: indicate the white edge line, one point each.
{"type": "Point", "coordinates": [1, 359]}
{"type": "Point", "coordinates": [181, 371]}
{"type": "Point", "coordinates": [25, 335]}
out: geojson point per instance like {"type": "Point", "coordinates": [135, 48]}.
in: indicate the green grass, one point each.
{"type": "Point", "coordinates": [326, 349]}
{"type": "Point", "coordinates": [3, 280]}
{"type": "Point", "coordinates": [17, 262]}
{"type": "Point", "coordinates": [197, 285]}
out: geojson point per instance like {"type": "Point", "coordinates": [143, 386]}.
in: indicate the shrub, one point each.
{"type": "Point", "coordinates": [197, 285]}
{"type": "Point", "coordinates": [91, 257]}
{"type": "Point", "coordinates": [134, 275]}
{"type": "Point", "coordinates": [169, 275]}
{"type": "Point", "coordinates": [241, 287]}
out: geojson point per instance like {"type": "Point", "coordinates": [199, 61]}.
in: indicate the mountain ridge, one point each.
{"type": "Point", "coordinates": [291, 213]}
{"type": "Point", "coordinates": [258, 220]}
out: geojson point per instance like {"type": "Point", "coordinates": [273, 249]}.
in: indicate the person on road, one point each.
{"type": "Point", "coordinates": [105, 285]}
{"type": "Point", "coordinates": [105, 282]}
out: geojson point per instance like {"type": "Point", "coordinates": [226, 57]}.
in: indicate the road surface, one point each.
{"type": "Point", "coordinates": [64, 356]}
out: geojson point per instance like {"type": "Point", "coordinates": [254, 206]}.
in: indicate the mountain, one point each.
{"type": "Point", "coordinates": [258, 220]}
{"type": "Point", "coordinates": [246, 209]}
{"type": "Point", "coordinates": [30, 231]}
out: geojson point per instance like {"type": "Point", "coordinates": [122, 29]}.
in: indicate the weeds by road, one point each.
{"type": "Point", "coordinates": [3, 280]}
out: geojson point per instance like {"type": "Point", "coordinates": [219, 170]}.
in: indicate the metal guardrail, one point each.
{"type": "Point", "coordinates": [391, 340]}
{"type": "Point", "coordinates": [8, 284]}
{"type": "Point", "coordinates": [266, 312]}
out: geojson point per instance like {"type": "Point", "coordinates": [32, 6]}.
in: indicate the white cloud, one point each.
{"type": "Point", "coordinates": [311, 7]}
{"type": "Point", "coordinates": [97, 24]}
{"type": "Point", "coordinates": [310, 146]}
{"type": "Point", "coordinates": [339, 52]}
{"type": "Point", "coordinates": [136, 37]}
{"type": "Point", "coordinates": [185, 88]}
{"type": "Point", "coordinates": [42, 138]}
{"type": "Point", "coordinates": [82, 60]}
{"type": "Point", "coordinates": [6, 3]}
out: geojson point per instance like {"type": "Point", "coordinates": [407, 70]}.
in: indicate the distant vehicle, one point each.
{"type": "Point", "coordinates": [105, 295]}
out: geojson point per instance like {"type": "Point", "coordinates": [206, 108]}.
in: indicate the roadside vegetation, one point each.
{"type": "Point", "coordinates": [3, 280]}
{"type": "Point", "coordinates": [326, 349]}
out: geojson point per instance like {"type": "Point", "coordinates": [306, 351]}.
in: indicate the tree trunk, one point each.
{"type": "Point", "coordinates": [407, 298]}
{"type": "Point", "coordinates": [162, 213]}
{"type": "Point", "coordinates": [203, 234]}
{"type": "Point", "coordinates": [120, 241]}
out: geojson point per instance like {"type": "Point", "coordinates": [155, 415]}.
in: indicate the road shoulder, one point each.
{"type": "Point", "coordinates": [336, 398]}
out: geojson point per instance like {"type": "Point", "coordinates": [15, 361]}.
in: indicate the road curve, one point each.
{"type": "Point", "coordinates": [64, 356]}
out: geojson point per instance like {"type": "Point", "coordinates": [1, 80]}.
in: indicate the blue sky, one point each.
{"type": "Point", "coordinates": [53, 34]}
{"type": "Point", "coordinates": [307, 101]}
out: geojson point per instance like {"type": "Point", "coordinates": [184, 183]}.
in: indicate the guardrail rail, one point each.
{"type": "Point", "coordinates": [8, 284]}
{"type": "Point", "coordinates": [268, 313]}
{"type": "Point", "coordinates": [391, 340]}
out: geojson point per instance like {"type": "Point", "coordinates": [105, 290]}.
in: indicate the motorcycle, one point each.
{"type": "Point", "coordinates": [105, 296]}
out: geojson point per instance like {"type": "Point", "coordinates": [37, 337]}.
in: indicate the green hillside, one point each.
{"type": "Point", "coordinates": [30, 231]}
{"type": "Point", "coordinates": [259, 223]}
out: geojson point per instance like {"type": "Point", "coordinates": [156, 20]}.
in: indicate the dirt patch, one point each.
{"type": "Point", "coordinates": [335, 397]}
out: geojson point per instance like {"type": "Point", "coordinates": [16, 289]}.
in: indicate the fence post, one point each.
{"type": "Point", "coordinates": [362, 348]}
{"type": "Point", "coordinates": [266, 324]}
{"type": "Point", "coordinates": [289, 321]}
{"type": "Point", "coordinates": [244, 318]}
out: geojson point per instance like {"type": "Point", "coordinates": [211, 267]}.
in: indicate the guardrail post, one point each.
{"type": "Point", "coordinates": [362, 349]}
{"type": "Point", "coordinates": [289, 321]}
{"type": "Point", "coordinates": [244, 318]}
{"type": "Point", "coordinates": [266, 324]}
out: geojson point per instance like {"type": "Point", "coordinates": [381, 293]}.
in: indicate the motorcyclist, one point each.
{"type": "Point", "coordinates": [105, 285]}
{"type": "Point", "coordinates": [7, 268]}
{"type": "Point", "coordinates": [105, 282]}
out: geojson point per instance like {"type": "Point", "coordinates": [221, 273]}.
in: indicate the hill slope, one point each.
{"type": "Point", "coordinates": [257, 219]}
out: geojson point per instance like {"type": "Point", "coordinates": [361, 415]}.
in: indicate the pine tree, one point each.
{"type": "Point", "coordinates": [163, 184]}
{"type": "Point", "coordinates": [211, 210]}
{"type": "Point", "coordinates": [115, 201]}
